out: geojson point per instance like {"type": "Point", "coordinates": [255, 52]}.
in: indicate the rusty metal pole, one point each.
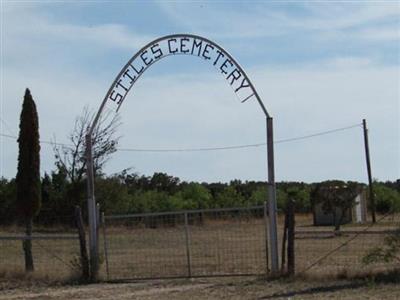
{"type": "Point", "coordinates": [370, 183]}
{"type": "Point", "coordinates": [272, 207]}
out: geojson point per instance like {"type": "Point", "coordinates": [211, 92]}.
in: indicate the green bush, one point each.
{"type": "Point", "coordinates": [386, 199]}
{"type": "Point", "coordinates": [8, 194]}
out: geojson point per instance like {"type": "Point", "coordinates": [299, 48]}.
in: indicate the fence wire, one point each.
{"type": "Point", "coordinates": [54, 256]}
{"type": "Point", "coordinates": [55, 248]}
{"type": "Point", "coordinates": [200, 243]}
{"type": "Point", "coordinates": [186, 244]}
{"type": "Point", "coordinates": [320, 251]}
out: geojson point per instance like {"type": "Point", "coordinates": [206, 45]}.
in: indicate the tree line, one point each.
{"type": "Point", "coordinates": [133, 193]}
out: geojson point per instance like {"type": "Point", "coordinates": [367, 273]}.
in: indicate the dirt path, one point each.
{"type": "Point", "coordinates": [237, 288]}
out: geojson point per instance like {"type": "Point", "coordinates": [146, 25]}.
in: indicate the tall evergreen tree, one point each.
{"type": "Point", "coordinates": [28, 174]}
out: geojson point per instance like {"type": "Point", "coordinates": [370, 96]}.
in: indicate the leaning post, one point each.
{"type": "Point", "coordinates": [91, 210]}
{"type": "Point", "coordinates": [370, 182]}
{"type": "Point", "coordinates": [272, 208]}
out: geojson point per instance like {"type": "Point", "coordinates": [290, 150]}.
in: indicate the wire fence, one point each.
{"type": "Point", "coordinates": [55, 248]}
{"type": "Point", "coordinates": [196, 243]}
{"type": "Point", "coordinates": [228, 242]}
{"type": "Point", "coordinates": [200, 243]}
{"type": "Point", "coordinates": [321, 251]}
{"type": "Point", "coordinates": [54, 256]}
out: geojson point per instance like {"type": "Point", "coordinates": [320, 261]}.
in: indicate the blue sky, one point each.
{"type": "Point", "coordinates": [316, 65]}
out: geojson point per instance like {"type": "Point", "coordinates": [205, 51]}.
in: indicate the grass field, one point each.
{"type": "Point", "coordinates": [237, 246]}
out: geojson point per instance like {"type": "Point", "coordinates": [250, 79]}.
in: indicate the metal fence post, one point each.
{"type": "Point", "coordinates": [187, 237]}
{"type": "Point", "coordinates": [272, 208]}
{"type": "Point", "coordinates": [266, 235]}
{"type": "Point", "coordinates": [91, 210]}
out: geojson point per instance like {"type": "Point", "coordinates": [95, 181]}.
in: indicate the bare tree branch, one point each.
{"type": "Point", "coordinates": [72, 160]}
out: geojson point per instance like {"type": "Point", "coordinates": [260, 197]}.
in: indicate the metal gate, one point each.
{"type": "Point", "coordinates": [196, 243]}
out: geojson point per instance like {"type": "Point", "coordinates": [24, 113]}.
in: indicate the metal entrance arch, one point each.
{"type": "Point", "coordinates": [180, 44]}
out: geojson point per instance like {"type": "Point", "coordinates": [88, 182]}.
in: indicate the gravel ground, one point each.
{"type": "Point", "coordinates": [210, 288]}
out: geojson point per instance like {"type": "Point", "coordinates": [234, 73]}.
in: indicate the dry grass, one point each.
{"type": "Point", "coordinates": [210, 288]}
{"type": "Point", "coordinates": [56, 259]}
{"type": "Point", "coordinates": [237, 246]}
{"type": "Point", "coordinates": [218, 246]}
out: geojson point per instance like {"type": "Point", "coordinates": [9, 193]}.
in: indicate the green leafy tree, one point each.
{"type": "Point", "coordinates": [164, 183]}
{"type": "Point", "coordinates": [7, 203]}
{"type": "Point", "coordinates": [258, 196]}
{"type": "Point", "coordinates": [112, 194]}
{"type": "Point", "coordinates": [337, 197]}
{"type": "Point", "coordinates": [386, 198]}
{"type": "Point", "coordinates": [196, 196]}
{"type": "Point", "coordinates": [298, 191]}
{"type": "Point", "coordinates": [28, 174]}
{"type": "Point", "coordinates": [229, 197]}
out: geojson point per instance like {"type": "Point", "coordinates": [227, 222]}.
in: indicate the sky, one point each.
{"type": "Point", "coordinates": [317, 66]}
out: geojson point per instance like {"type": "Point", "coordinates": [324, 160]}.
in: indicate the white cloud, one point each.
{"type": "Point", "coordinates": [265, 20]}
{"type": "Point", "coordinates": [37, 30]}
{"type": "Point", "coordinates": [335, 16]}
{"type": "Point", "coordinates": [381, 34]}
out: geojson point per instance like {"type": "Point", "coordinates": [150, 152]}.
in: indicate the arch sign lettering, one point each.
{"type": "Point", "coordinates": [182, 44]}
{"type": "Point", "coordinates": [170, 45]}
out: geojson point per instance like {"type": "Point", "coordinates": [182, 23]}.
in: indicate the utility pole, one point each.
{"type": "Point", "coordinates": [371, 189]}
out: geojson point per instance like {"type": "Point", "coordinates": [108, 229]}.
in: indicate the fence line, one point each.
{"type": "Point", "coordinates": [37, 237]}
{"type": "Point", "coordinates": [55, 256]}
{"type": "Point", "coordinates": [195, 243]}
{"type": "Point", "coordinates": [356, 233]}
{"type": "Point", "coordinates": [201, 243]}
{"type": "Point", "coordinates": [169, 213]}
{"type": "Point", "coordinates": [344, 232]}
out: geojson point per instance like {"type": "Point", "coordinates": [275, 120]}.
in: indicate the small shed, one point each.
{"type": "Point", "coordinates": [358, 214]}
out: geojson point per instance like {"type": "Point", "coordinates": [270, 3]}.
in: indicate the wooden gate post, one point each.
{"type": "Point", "coordinates": [291, 236]}
{"type": "Point", "coordinates": [82, 243]}
{"type": "Point", "coordinates": [284, 238]}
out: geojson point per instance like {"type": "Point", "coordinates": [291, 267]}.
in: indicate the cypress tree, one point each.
{"type": "Point", "coordinates": [28, 174]}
